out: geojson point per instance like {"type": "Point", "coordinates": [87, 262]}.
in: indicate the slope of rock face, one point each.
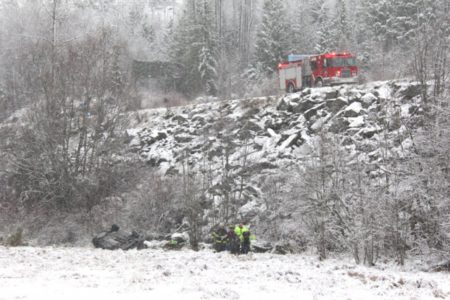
{"type": "Point", "coordinates": [241, 144]}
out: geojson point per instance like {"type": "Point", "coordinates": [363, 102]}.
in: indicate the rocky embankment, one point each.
{"type": "Point", "coordinates": [240, 144]}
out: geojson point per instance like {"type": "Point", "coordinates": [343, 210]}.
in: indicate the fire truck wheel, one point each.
{"type": "Point", "coordinates": [290, 88]}
{"type": "Point", "coordinates": [319, 82]}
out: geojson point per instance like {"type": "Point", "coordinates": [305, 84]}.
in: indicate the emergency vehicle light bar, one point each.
{"type": "Point", "coordinates": [297, 57]}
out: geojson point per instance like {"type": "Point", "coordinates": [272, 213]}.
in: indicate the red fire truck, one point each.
{"type": "Point", "coordinates": [302, 71]}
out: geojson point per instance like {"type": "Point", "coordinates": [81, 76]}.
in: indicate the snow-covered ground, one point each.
{"type": "Point", "coordinates": [84, 273]}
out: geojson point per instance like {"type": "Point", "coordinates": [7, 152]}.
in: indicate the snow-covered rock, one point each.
{"type": "Point", "coordinates": [368, 99]}
{"type": "Point", "coordinates": [353, 110]}
{"type": "Point", "coordinates": [264, 136]}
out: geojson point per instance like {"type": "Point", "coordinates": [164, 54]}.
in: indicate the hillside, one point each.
{"type": "Point", "coordinates": [241, 150]}
{"type": "Point", "coordinates": [273, 133]}
{"type": "Point", "coordinates": [346, 168]}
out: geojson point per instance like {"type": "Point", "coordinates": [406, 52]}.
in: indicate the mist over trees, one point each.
{"type": "Point", "coordinates": [73, 69]}
{"type": "Point", "coordinates": [251, 36]}
{"type": "Point", "coordinates": [232, 47]}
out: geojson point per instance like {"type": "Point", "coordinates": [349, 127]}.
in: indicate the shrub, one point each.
{"type": "Point", "coordinates": [15, 239]}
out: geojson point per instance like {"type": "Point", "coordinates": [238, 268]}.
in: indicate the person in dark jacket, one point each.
{"type": "Point", "coordinates": [245, 243]}
{"type": "Point", "coordinates": [233, 241]}
{"type": "Point", "coordinates": [219, 238]}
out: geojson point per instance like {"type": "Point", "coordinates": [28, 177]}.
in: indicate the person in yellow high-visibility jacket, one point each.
{"type": "Point", "coordinates": [239, 230]}
{"type": "Point", "coordinates": [244, 236]}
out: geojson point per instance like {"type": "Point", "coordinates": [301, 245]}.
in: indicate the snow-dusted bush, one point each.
{"type": "Point", "coordinates": [15, 239]}
{"type": "Point", "coordinates": [264, 86]}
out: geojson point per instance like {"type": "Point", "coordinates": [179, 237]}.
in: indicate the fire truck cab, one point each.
{"type": "Point", "coordinates": [302, 71]}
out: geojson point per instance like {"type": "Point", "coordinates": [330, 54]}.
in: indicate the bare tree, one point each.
{"type": "Point", "coordinates": [318, 196]}
{"type": "Point", "coordinates": [192, 196]}
{"type": "Point", "coordinates": [62, 157]}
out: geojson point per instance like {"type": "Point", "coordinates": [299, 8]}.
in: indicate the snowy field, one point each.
{"type": "Point", "coordinates": [83, 273]}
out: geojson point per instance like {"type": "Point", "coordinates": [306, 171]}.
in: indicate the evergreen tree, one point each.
{"type": "Point", "coordinates": [194, 46]}
{"type": "Point", "coordinates": [362, 37]}
{"type": "Point", "coordinates": [207, 55]}
{"type": "Point", "coordinates": [326, 34]}
{"type": "Point", "coordinates": [342, 26]}
{"type": "Point", "coordinates": [326, 38]}
{"type": "Point", "coordinates": [405, 19]}
{"type": "Point", "coordinates": [185, 50]}
{"type": "Point", "coordinates": [382, 39]}
{"type": "Point", "coordinates": [208, 71]}
{"type": "Point", "coordinates": [326, 31]}
{"type": "Point", "coordinates": [116, 78]}
{"type": "Point", "coordinates": [378, 18]}
{"type": "Point", "coordinates": [318, 12]}
{"type": "Point", "coordinates": [272, 39]}
{"type": "Point", "coordinates": [395, 21]}
{"type": "Point", "coordinates": [301, 29]}
{"type": "Point", "coordinates": [167, 37]}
